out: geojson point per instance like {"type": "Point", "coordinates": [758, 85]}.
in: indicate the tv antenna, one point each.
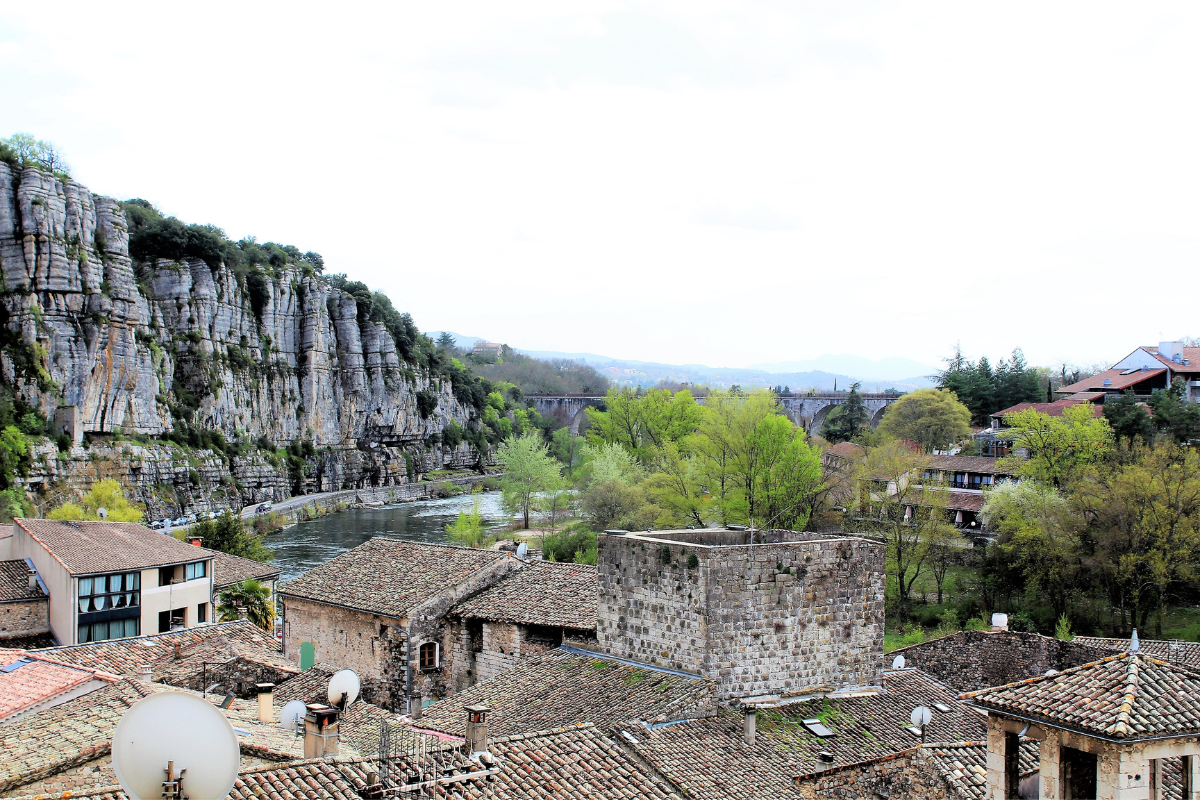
{"type": "Point", "coordinates": [174, 745]}
{"type": "Point", "coordinates": [344, 687]}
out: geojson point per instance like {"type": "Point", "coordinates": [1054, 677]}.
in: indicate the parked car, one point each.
{"type": "Point", "coordinates": [179, 521]}
{"type": "Point", "coordinates": [158, 524]}
{"type": "Point", "coordinates": [190, 519]}
{"type": "Point", "coordinates": [263, 508]}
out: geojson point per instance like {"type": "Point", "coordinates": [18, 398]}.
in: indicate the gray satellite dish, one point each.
{"type": "Point", "coordinates": [291, 714]}
{"type": "Point", "coordinates": [920, 716]}
{"type": "Point", "coordinates": [522, 550]}
{"type": "Point", "coordinates": [175, 736]}
{"type": "Point", "coordinates": [102, 512]}
{"type": "Point", "coordinates": [898, 662]}
{"type": "Point", "coordinates": [343, 688]}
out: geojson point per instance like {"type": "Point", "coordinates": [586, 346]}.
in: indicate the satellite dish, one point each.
{"type": "Point", "coordinates": [343, 688]}
{"type": "Point", "coordinates": [920, 716]}
{"type": "Point", "coordinates": [522, 550]}
{"type": "Point", "coordinates": [898, 662]}
{"type": "Point", "coordinates": [102, 512]}
{"type": "Point", "coordinates": [180, 732]}
{"type": "Point", "coordinates": [291, 714]}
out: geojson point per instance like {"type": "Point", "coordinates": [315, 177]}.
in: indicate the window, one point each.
{"type": "Point", "coordinates": [166, 576]}
{"type": "Point", "coordinates": [105, 592]}
{"type": "Point", "coordinates": [202, 612]}
{"type": "Point", "coordinates": [429, 655]}
{"type": "Point", "coordinates": [114, 629]}
{"type": "Point", "coordinates": [196, 570]}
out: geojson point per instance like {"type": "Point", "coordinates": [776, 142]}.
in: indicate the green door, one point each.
{"type": "Point", "coordinates": [308, 655]}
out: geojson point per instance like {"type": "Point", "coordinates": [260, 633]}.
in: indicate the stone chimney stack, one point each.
{"type": "Point", "coordinates": [33, 584]}
{"type": "Point", "coordinates": [146, 673]}
{"type": "Point", "coordinates": [320, 731]}
{"type": "Point", "coordinates": [750, 724]}
{"type": "Point", "coordinates": [266, 702]}
{"type": "Point", "coordinates": [477, 730]}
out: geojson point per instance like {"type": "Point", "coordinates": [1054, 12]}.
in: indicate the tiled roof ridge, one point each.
{"type": "Point", "coordinates": [948, 745]}
{"type": "Point", "coordinates": [182, 632]}
{"type": "Point", "coordinates": [20, 521]}
{"type": "Point", "coordinates": [443, 545]}
{"type": "Point", "coordinates": [98, 673]}
{"type": "Point", "coordinates": [519, 737]}
{"type": "Point", "coordinates": [1121, 726]}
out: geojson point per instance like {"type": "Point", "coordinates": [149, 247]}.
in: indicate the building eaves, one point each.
{"type": "Point", "coordinates": [91, 548]}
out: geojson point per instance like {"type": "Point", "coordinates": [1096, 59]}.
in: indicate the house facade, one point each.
{"type": "Point", "coordinates": [113, 580]}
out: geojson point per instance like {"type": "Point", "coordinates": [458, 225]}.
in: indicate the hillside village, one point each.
{"type": "Point", "coordinates": [725, 661]}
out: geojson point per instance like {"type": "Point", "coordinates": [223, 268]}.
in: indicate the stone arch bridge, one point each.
{"type": "Point", "coordinates": [806, 410]}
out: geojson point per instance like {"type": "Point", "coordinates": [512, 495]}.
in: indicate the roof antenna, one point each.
{"type": "Point", "coordinates": [1133, 642]}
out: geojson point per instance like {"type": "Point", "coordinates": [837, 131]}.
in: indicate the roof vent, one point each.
{"type": "Point", "coordinates": [825, 756]}
{"type": "Point", "coordinates": [1108, 381]}
{"type": "Point", "coordinates": [818, 728]}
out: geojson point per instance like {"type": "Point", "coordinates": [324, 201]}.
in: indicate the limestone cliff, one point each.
{"type": "Point", "coordinates": [137, 351]}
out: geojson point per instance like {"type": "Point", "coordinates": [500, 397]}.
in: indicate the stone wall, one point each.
{"type": "Point", "coordinates": [904, 776]}
{"type": "Point", "coordinates": [971, 660]}
{"type": "Point", "coordinates": [89, 775]}
{"type": "Point", "coordinates": [24, 618]}
{"type": "Point", "coordinates": [802, 614]}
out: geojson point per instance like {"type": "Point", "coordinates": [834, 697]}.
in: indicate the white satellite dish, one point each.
{"type": "Point", "coordinates": [180, 731]}
{"type": "Point", "coordinates": [898, 662]}
{"type": "Point", "coordinates": [343, 688]}
{"type": "Point", "coordinates": [920, 716]}
{"type": "Point", "coordinates": [102, 512]}
{"type": "Point", "coordinates": [522, 550]}
{"type": "Point", "coordinates": [291, 715]}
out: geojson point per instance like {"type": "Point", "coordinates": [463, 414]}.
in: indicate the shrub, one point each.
{"type": "Point", "coordinates": [574, 542]}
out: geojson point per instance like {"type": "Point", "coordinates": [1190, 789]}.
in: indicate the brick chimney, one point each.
{"type": "Point", "coordinates": [320, 731]}
{"type": "Point", "coordinates": [750, 724]}
{"type": "Point", "coordinates": [477, 730]}
{"type": "Point", "coordinates": [194, 539]}
{"type": "Point", "coordinates": [415, 704]}
{"type": "Point", "coordinates": [266, 700]}
{"type": "Point", "coordinates": [178, 651]}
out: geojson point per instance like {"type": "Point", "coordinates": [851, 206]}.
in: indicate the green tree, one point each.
{"type": "Point", "coordinates": [250, 596]}
{"type": "Point", "coordinates": [104, 494]}
{"type": "Point", "coordinates": [615, 504]}
{"type": "Point", "coordinates": [1037, 532]}
{"type": "Point", "coordinates": [567, 447]}
{"type": "Point", "coordinates": [528, 470]}
{"type": "Point", "coordinates": [446, 341]}
{"type": "Point", "coordinates": [676, 488]}
{"type": "Point", "coordinates": [1057, 449]}
{"type": "Point", "coordinates": [469, 529]}
{"type": "Point", "coordinates": [228, 534]}
{"type": "Point", "coordinates": [909, 512]}
{"type": "Point", "coordinates": [847, 420]}
{"type": "Point", "coordinates": [612, 462]}
{"type": "Point", "coordinates": [1174, 415]}
{"type": "Point", "coordinates": [933, 418]}
{"type": "Point", "coordinates": [1129, 419]}
{"type": "Point", "coordinates": [14, 455]}
{"type": "Point", "coordinates": [984, 390]}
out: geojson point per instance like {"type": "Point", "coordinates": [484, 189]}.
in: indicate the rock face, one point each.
{"type": "Point", "coordinates": [136, 350]}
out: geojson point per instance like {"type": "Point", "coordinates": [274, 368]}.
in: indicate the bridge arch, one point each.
{"type": "Point", "coordinates": [818, 419]}
{"type": "Point", "coordinates": [878, 416]}
{"type": "Point", "coordinates": [578, 419]}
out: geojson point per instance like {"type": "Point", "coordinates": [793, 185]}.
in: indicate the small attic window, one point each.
{"type": "Point", "coordinates": [818, 728]}
{"type": "Point", "coordinates": [942, 707]}
{"type": "Point", "coordinates": [914, 730]}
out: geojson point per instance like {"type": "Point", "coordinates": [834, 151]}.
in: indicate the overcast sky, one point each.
{"type": "Point", "coordinates": [710, 182]}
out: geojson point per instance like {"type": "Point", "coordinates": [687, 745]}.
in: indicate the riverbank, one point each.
{"type": "Point", "coordinates": [308, 507]}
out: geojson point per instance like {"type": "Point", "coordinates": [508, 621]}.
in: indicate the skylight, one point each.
{"type": "Point", "coordinates": [818, 728]}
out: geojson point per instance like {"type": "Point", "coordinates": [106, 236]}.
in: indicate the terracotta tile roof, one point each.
{"type": "Point", "coordinates": [1054, 409]}
{"type": "Point", "coordinates": [845, 450]}
{"type": "Point", "coordinates": [34, 641]}
{"type": "Point", "coordinates": [65, 736]}
{"type": "Point", "coordinates": [1127, 696]}
{"type": "Point", "coordinates": [963, 765]}
{"type": "Point", "coordinates": [84, 548]}
{"type": "Point", "coordinates": [1190, 355]}
{"type": "Point", "coordinates": [964, 501]}
{"type": "Point", "coordinates": [1117, 379]}
{"type": "Point", "coordinates": [1185, 654]}
{"type": "Point", "coordinates": [126, 656]}
{"type": "Point", "coordinates": [14, 582]}
{"type": "Point", "coordinates": [981, 464]}
{"type": "Point", "coordinates": [310, 686]}
{"type": "Point", "coordinates": [229, 569]}
{"type": "Point", "coordinates": [708, 758]}
{"type": "Point", "coordinates": [389, 576]}
{"type": "Point", "coordinates": [561, 688]}
{"type": "Point", "coordinates": [32, 681]}
{"type": "Point", "coordinates": [543, 593]}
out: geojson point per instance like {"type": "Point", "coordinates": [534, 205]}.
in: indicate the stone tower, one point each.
{"type": "Point", "coordinates": [788, 615]}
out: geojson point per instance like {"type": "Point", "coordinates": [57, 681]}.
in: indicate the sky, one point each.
{"type": "Point", "coordinates": [724, 183]}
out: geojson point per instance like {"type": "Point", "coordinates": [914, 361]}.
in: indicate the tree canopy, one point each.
{"type": "Point", "coordinates": [106, 494]}
{"type": "Point", "coordinates": [847, 420]}
{"type": "Point", "coordinates": [933, 418]}
{"type": "Point", "coordinates": [985, 390]}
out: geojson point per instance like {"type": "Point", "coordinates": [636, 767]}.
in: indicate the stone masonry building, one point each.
{"type": "Point", "coordinates": [787, 615]}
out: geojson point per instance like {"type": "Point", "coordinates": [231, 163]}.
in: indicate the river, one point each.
{"type": "Point", "coordinates": [310, 544]}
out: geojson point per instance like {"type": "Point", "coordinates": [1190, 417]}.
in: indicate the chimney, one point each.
{"type": "Point", "coordinates": [320, 731]}
{"type": "Point", "coordinates": [415, 704]}
{"type": "Point", "coordinates": [146, 673]}
{"type": "Point", "coordinates": [33, 584]}
{"type": "Point", "coordinates": [750, 724]}
{"type": "Point", "coordinates": [178, 651]}
{"type": "Point", "coordinates": [196, 540]}
{"type": "Point", "coordinates": [477, 730]}
{"type": "Point", "coordinates": [266, 699]}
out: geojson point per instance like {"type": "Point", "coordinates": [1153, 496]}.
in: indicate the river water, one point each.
{"type": "Point", "coordinates": [310, 544]}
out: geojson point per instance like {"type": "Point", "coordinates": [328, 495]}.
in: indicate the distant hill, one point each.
{"type": "Point", "coordinates": [885, 369]}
